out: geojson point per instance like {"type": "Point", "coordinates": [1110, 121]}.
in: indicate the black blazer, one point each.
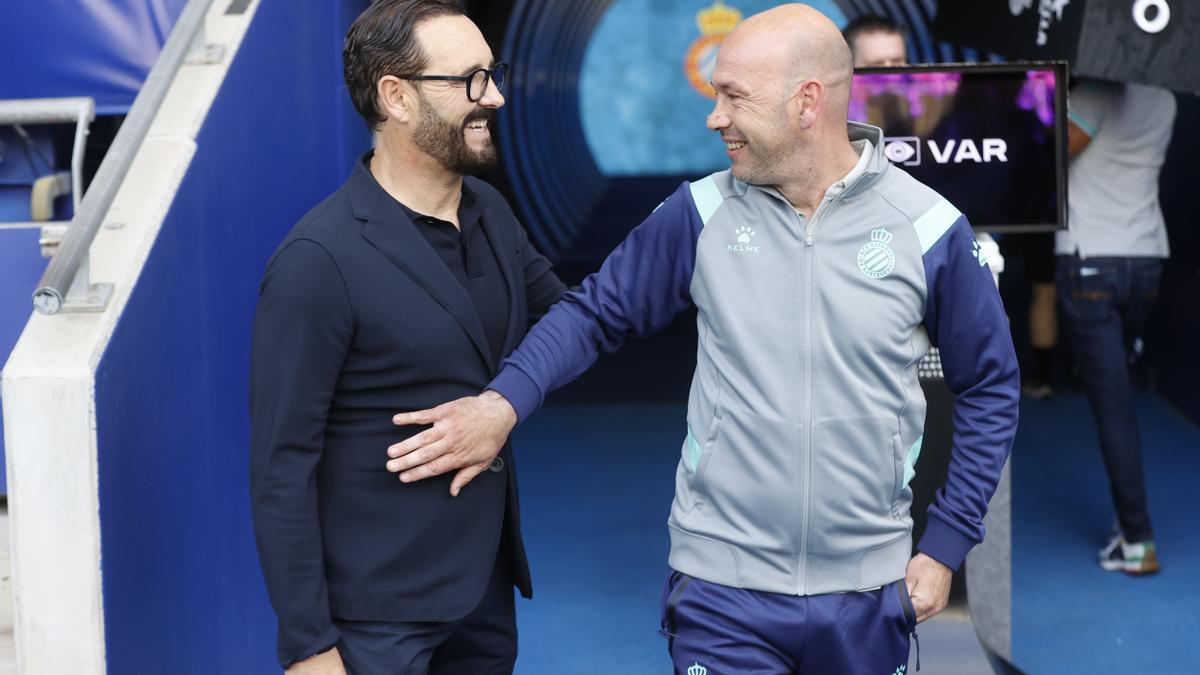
{"type": "Point", "coordinates": [358, 319]}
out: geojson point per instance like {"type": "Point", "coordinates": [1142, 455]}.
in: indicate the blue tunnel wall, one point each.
{"type": "Point", "coordinates": [178, 556]}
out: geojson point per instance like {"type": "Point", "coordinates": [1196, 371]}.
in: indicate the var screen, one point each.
{"type": "Point", "coordinates": [991, 138]}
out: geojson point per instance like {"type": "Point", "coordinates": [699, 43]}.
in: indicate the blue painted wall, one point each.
{"type": "Point", "coordinates": [182, 588]}
{"type": "Point", "coordinates": [98, 48]}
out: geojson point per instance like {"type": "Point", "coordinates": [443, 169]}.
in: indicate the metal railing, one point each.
{"type": "Point", "coordinates": [80, 110]}
{"type": "Point", "coordinates": [65, 285]}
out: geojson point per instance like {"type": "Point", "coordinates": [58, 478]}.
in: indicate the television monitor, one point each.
{"type": "Point", "coordinates": [991, 138]}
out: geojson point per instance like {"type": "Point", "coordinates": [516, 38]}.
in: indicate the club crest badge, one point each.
{"type": "Point", "coordinates": [876, 259]}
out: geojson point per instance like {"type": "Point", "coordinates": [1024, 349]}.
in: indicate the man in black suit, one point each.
{"type": "Point", "coordinates": [401, 291]}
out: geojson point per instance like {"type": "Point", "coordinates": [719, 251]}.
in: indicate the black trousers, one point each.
{"type": "Point", "coordinates": [482, 643]}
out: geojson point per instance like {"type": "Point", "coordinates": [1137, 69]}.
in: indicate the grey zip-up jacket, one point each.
{"type": "Point", "coordinates": [805, 416]}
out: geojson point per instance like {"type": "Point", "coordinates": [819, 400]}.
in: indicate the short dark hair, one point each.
{"type": "Point", "coordinates": [870, 23]}
{"type": "Point", "coordinates": [382, 41]}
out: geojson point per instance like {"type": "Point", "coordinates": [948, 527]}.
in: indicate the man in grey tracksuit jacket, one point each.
{"type": "Point", "coordinates": [805, 416]}
{"type": "Point", "coordinates": [790, 528]}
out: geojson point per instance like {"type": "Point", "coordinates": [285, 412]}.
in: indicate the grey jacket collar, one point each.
{"type": "Point", "coordinates": [876, 163]}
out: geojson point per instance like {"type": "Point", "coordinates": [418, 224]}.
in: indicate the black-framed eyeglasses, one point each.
{"type": "Point", "coordinates": [476, 81]}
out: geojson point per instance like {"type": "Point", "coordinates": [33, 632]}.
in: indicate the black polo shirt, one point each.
{"type": "Point", "coordinates": [468, 255]}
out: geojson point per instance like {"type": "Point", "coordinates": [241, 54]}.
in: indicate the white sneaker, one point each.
{"type": "Point", "coordinates": [1121, 556]}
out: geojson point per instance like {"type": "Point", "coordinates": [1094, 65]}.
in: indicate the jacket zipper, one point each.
{"type": "Point", "coordinates": [810, 232]}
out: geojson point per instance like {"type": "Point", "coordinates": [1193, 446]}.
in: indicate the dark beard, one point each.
{"type": "Point", "coordinates": [444, 141]}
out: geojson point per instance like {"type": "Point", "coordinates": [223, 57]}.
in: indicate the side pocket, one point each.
{"type": "Point", "coordinates": [1087, 290]}
{"type": "Point", "coordinates": [697, 452]}
{"type": "Point", "coordinates": [692, 452]}
{"type": "Point", "coordinates": [910, 614]}
{"type": "Point", "coordinates": [679, 582]}
{"type": "Point", "coordinates": [910, 617]}
{"type": "Point", "coordinates": [704, 424]}
{"type": "Point", "coordinates": [906, 468]}
{"type": "Point", "coordinates": [710, 443]}
{"type": "Point", "coordinates": [898, 471]}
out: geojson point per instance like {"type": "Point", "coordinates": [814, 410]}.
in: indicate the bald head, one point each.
{"type": "Point", "coordinates": [793, 43]}
{"type": "Point", "coordinates": [782, 80]}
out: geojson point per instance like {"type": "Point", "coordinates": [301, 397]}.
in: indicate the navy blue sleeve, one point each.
{"type": "Point", "coordinates": [303, 329]}
{"type": "Point", "coordinates": [966, 322]}
{"type": "Point", "coordinates": [640, 287]}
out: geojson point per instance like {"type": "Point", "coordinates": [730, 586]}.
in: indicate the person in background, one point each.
{"type": "Point", "coordinates": [1037, 252]}
{"type": "Point", "coordinates": [1109, 265]}
{"type": "Point", "coordinates": [875, 41]}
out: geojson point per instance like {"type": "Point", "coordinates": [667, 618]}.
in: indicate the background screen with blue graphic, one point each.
{"type": "Point", "coordinates": [641, 114]}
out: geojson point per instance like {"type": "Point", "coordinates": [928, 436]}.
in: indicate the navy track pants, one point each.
{"type": "Point", "coordinates": [718, 630]}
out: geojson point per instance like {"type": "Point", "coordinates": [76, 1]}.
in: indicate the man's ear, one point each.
{"type": "Point", "coordinates": [397, 99]}
{"type": "Point", "coordinates": [805, 103]}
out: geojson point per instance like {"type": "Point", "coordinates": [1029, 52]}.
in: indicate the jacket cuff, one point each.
{"type": "Point", "coordinates": [519, 389]}
{"type": "Point", "coordinates": [322, 642]}
{"type": "Point", "coordinates": [945, 544]}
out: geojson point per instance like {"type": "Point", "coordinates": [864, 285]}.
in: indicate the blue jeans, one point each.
{"type": "Point", "coordinates": [1105, 304]}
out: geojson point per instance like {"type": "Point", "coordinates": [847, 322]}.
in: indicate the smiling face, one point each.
{"type": "Point", "coordinates": [751, 112]}
{"type": "Point", "coordinates": [782, 79]}
{"type": "Point", "coordinates": [448, 127]}
{"type": "Point", "coordinates": [462, 145]}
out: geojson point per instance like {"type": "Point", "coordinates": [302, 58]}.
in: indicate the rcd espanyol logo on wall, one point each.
{"type": "Point", "coordinates": [715, 24]}
{"type": "Point", "coordinates": [876, 259]}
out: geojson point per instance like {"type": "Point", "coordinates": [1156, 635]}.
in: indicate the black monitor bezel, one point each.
{"type": "Point", "coordinates": [1061, 73]}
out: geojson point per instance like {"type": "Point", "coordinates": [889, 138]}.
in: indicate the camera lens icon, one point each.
{"type": "Point", "coordinates": [904, 150]}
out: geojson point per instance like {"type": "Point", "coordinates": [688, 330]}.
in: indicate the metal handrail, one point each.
{"type": "Point", "coordinates": [66, 274]}
{"type": "Point", "coordinates": [80, 110]}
